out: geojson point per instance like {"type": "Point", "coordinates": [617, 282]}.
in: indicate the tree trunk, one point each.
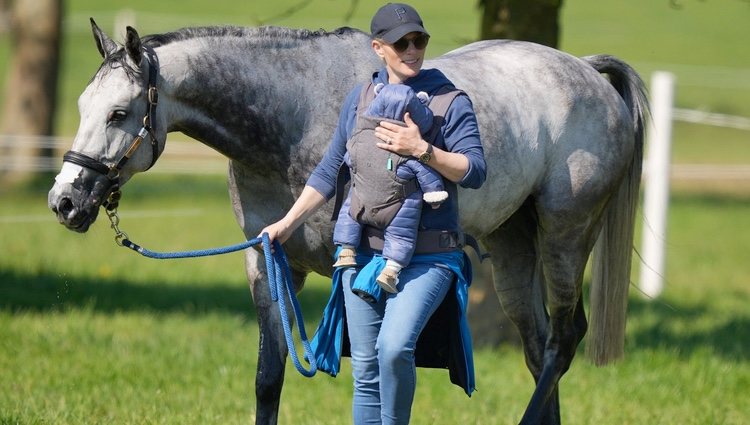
{"type": "Point", "coordinates": [529, 20]}
{"type": "Point", "coordinates": [31, 85]}
{"type": "Point", "coordinates": [4, 16]}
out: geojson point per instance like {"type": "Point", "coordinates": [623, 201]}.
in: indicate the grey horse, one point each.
{"type": "Point", "coordinates": [563, 145]}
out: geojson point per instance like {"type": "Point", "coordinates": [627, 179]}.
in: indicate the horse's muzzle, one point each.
{"type": "Point", "coordinates": [76, 203]}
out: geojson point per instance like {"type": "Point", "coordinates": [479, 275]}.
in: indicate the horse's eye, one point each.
{"type": "Point", "coordinates": [117, 115]}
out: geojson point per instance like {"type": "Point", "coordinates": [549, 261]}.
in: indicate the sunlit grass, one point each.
{"type": "Point", "coordinates": [93, 333]}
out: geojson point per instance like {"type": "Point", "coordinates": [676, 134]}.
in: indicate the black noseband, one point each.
{"type": "Point", "coordinates": [85, 161]}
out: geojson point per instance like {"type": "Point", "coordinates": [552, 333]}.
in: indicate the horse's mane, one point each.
{"type": "Point", "coordinates": [266, 34]}
{"type": "Point", "coordinates": [269, 33]}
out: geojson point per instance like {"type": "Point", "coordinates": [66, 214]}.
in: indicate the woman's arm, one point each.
{"type": "Point", "coordinates": [321, 184]}
{"type": "Point", "coordinates": [308, 202]}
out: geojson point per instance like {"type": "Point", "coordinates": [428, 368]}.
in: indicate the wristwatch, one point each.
{"type": "Point", "coordinates": [426, 156]}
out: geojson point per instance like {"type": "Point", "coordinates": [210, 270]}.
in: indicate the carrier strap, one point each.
{"type": "Point", "coordinates": [439, 104]}
{"type": "Point", "coordinates": [428, 241]}
{"type": "Point", "coordinates": [339, 193]}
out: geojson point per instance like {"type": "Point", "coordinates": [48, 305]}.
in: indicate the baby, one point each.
{"type": "Point", "coordinates": [387, 189]}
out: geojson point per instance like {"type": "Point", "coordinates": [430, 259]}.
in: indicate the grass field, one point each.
{"type": "Point", "coordinates": [91, 333]}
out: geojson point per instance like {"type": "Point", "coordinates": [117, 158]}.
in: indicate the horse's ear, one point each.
{"type": "Point", "coordinates": [105, 44]}
{"type": "Point", "coordinates": [133, 45]}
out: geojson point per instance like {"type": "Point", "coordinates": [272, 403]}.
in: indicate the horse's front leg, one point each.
{"type": "Point", "coordinates": [272, 349]}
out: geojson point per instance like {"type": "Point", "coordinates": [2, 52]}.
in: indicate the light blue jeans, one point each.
{"type": "Point", "coordinates": [383, 337]}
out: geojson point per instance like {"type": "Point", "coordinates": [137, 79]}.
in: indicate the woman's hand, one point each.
{"type": "Point", "coordinates": [406, 141]}
{"type": "Point", "coordinates": [280, 231]}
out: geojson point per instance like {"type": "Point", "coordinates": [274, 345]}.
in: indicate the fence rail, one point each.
{"type": "Point", "coordinates": [709, 118]}
{"type": "Point", "coordinates": [179, 157]}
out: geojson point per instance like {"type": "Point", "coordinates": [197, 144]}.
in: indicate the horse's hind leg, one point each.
{"type": "Point", "coordinates": [565, 240]}
{"type": "Point", "coordinates": [272, 349]}
{"type": "Point", "coordinates": [519, 285]}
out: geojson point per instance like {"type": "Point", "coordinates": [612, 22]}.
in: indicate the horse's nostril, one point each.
{"type": "Point", "coordinates": [64, 207]}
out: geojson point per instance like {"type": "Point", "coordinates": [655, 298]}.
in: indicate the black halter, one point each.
{"type": "Point", "coordinates": [112, 171]}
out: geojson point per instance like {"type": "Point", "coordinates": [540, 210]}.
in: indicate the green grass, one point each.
{"type": "Point", "coordinates": [92, 333]}
{"type": "Point", "coordinates": [699, 42]}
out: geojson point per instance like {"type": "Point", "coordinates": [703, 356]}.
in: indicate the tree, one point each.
{"type": "Point", "coordinates": [4, 16]}
{"type": "Point", "coordinates": [529, 20]}
{"type": "Point", "coordinates": [31, 86]}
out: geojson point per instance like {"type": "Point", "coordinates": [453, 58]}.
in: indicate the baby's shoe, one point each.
{"type": "Point", "coordinates": [388, 279]}
{"type": "Point", "coordinates": [347, 258]}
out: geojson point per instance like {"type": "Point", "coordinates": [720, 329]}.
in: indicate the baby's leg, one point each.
{"type": "Point", "coordinates": [400, 239]}
{"type": "Point", "coordinates": [388, 277]}
{"type": "Point", "coordinates": [347, 234]}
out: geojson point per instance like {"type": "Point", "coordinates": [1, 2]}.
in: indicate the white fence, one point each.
{"type": "Point", "coordinates": [656, 184]}
{"type": "Point", "coordinates": [658, 171]}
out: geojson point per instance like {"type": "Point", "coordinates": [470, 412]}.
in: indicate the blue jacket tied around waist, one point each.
{"type": "Point", "coordinates": [445, 341]}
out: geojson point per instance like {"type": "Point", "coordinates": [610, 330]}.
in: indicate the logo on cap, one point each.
{"type": "Point", "coordinates": [400, 13]}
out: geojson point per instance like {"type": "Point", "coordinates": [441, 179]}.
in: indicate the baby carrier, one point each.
{"type": "Point", "coordinates": [378, 193]}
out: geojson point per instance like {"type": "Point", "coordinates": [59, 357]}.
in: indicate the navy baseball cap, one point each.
{"type": "Point", "coordinates": [395, 20]}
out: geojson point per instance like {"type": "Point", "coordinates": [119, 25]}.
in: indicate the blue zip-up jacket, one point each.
{"type": "Point", "coordinates": [459, 134]}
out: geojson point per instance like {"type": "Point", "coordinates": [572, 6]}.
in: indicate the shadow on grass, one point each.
{"type": "Point", "coordinates": [46, 292]}
{"type": "Point", "coordinates": [688, 328]}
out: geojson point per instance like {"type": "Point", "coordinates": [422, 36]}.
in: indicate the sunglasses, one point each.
{"type": "Point", "coordinates": [419, 42]}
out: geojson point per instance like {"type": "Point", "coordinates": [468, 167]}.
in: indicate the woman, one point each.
{"type": "Point", "coordinates": [383, 335]}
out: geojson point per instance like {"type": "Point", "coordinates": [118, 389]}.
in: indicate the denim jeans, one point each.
{"type": "Point", "coordinates": [383, 337]}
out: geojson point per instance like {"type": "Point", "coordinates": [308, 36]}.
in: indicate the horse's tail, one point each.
{"type": "Point", "coordinates": [613, 250]}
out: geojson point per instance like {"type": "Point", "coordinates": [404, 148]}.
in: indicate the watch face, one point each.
{"type": "Point", "coordinates": [426, 156]}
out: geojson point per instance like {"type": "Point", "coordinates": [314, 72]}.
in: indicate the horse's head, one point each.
{"type": "Point", "coordinates": [118, 112]}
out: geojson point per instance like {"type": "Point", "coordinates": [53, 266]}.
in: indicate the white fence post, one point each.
{"type": "Point", "coordinates": [656, 192]}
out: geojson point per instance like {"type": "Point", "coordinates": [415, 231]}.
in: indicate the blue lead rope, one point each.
{"type": "Point", "coordinates": [279, 282]}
